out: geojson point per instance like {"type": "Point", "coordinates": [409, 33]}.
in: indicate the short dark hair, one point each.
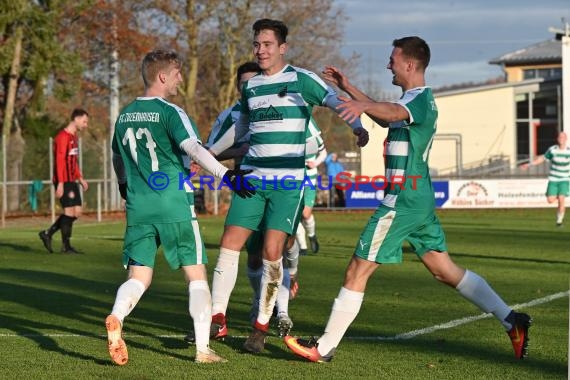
{"type": "Point", "coordinates": [248, 67]}
{"type": "Point", "coordinates": [78, 112]}
{"type": "Point", "coordinates": [414, 47]}
{"type": "Point", "coordinates": [156, 61]}
{"type": "Point", "coordinates": [278, 27]}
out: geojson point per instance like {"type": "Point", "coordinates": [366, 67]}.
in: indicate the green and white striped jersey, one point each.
{"type": "Point", "coordinates": [559, 163]}
{"type": "Point", "coordinates": [223, 123]}
{"type": "Point", "coordinates": [279, 108]}
{"type": "Point", "coordinates": [315, 145]}
{"type": "Point", "coordinates": [148, 134]}
{"type": "Point", "coordinates": [407, 149]}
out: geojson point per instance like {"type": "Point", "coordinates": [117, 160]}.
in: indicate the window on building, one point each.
{"type": "Point", "coordinates": [549, 73]}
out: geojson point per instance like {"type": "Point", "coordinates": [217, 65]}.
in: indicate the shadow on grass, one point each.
{"type": "Point", "coordinates": [35, 331]}
{"type": "Point", "coordinates": [444, 352]}
{"type": "Point", "coordinates": [17, 247]}
{"type": "Point", "coordinates": [409, 250]}
{"type": "Point", "coordinates": [75, 304]}
{"type": "Point", "coordinates": [517, 259]}
{"type": "Point", "coordinates": [443, 349]}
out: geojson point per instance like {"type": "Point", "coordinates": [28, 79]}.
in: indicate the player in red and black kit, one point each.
{"type": "Point", "coordinates": [66, 179]}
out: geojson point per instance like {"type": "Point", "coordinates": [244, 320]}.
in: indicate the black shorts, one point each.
{"type": "Point", "coordinates": [71, 196]}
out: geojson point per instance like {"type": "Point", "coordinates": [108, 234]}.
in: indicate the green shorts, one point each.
{"type": "Point", "coordinates": [310, 196]}
{"type": "Point", "coordinates": [556, 188]}
{"type": "Point", "coordinates": [382, 238]}
{"type": "Point", "coordinates": [279, 207]}
{"type": "Point", "coordinates": [181, 242]}
{"type": "Point", "coordinates": [254, 243]}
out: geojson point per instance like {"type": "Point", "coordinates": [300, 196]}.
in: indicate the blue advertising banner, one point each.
{"type": "Point", "coordinates": [441, 192]}
{"type": "Point", "coordinates": [368, 195]}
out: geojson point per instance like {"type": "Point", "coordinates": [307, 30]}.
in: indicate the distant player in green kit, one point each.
{"type": "Point", "coordinates": [151, 136]}
{"type": "Point", "coordinates": [407, 212]}
{"type": "Point", "coordinates": [559, 176]}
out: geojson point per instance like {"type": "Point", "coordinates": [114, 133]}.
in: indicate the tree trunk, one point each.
{"type": "Point", "coordinates": [14, 141]}
{"type": "Point", "coordinates": [114, 85]}
{"type": "Point", "coordinates": [13, 83]}
{"type": "Point", "coordinates": [15, 151]}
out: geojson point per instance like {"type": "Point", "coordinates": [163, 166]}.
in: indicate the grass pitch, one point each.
{"type": "Point", "coordinates": [52, 307]}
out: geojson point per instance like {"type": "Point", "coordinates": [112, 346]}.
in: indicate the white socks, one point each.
{"type": "Point", "coordinates": [282, 302]}
{"type": "Point", "coordinates": [559, 217]}
{"type": "Point", "coordinates": [224, 279]}
{"type": "Point", "coordinates": [309, 225]}
{"type": "Point", "coordinates": [292, 257]}
{"type": "Point", "coordinates": [201, 312]}
{"type": "Point", "coordinates": [478, 291]}
{"type": "Point", "coordinates": [270, 283]}
{"type": "Point", "coordinates": [128, 295]}
{"type": "Point", "coordinates": [300, 236]}
{"type": "Point", "coordinates": [345, 308]}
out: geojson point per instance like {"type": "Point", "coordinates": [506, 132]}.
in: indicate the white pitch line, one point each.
{"type": "Point", "coordinates": [403, 336]}
{"type": "Point", "coordinates": [461, 321]}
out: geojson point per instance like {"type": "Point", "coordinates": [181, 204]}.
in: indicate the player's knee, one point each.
{"type": "Point", "coordinates": [450, 276]}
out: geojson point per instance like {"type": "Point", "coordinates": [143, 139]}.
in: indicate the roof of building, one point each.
{"type": "Point", "coordinates": [543, 52]}
{"type": "Point", "coordinates": [440, 93]}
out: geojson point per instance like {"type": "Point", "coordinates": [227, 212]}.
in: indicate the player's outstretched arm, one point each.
{"type": "Point", "coordinates": [382, 113]}
{"type": "Point", "coordinates": [333, 75]}
{"type": "Point", "coordinates": [537, 161]}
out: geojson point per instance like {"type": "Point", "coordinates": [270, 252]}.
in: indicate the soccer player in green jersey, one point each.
{"type": "Point", "coordinates": [151, 136]}
{"type": "Point", "coordinates": [276, 108]}
{"type": "Point", "coordinates": [289, 286]}
{"type": "Point", "coordinates": [559, 176]}
{"type": "Point", "coordinates": [408, 209]}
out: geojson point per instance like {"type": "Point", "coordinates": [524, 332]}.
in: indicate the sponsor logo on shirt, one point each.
{"type": "Point", "coordinates": [265, 114]}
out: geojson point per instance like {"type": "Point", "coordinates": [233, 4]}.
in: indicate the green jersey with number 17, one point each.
{"type": "Point", "coordinates": [148, 133]}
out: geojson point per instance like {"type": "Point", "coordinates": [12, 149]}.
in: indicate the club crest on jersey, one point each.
{"type": "Point", "coordinates": [265, 114]}
{"type": "Point", "coordinates": [74, 151]}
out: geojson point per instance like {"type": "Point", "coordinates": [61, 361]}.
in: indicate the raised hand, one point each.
{"type": "Point", "coordinates": [335, 76]}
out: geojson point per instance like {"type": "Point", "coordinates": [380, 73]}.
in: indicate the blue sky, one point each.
{"type": "Point", "coordinates": [463, 35]}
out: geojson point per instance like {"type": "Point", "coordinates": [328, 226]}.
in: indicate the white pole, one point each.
{"type": "Point", "coordinates": [566, 80]}
{"type": "Point", "coordinates": [105, 177]}
{"type": "Point", "coordinates": [99, 202]}
{"type": "Point", "coordinates": [565, 75]}
{"type": "Point", "coordinates": [114, 86]}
